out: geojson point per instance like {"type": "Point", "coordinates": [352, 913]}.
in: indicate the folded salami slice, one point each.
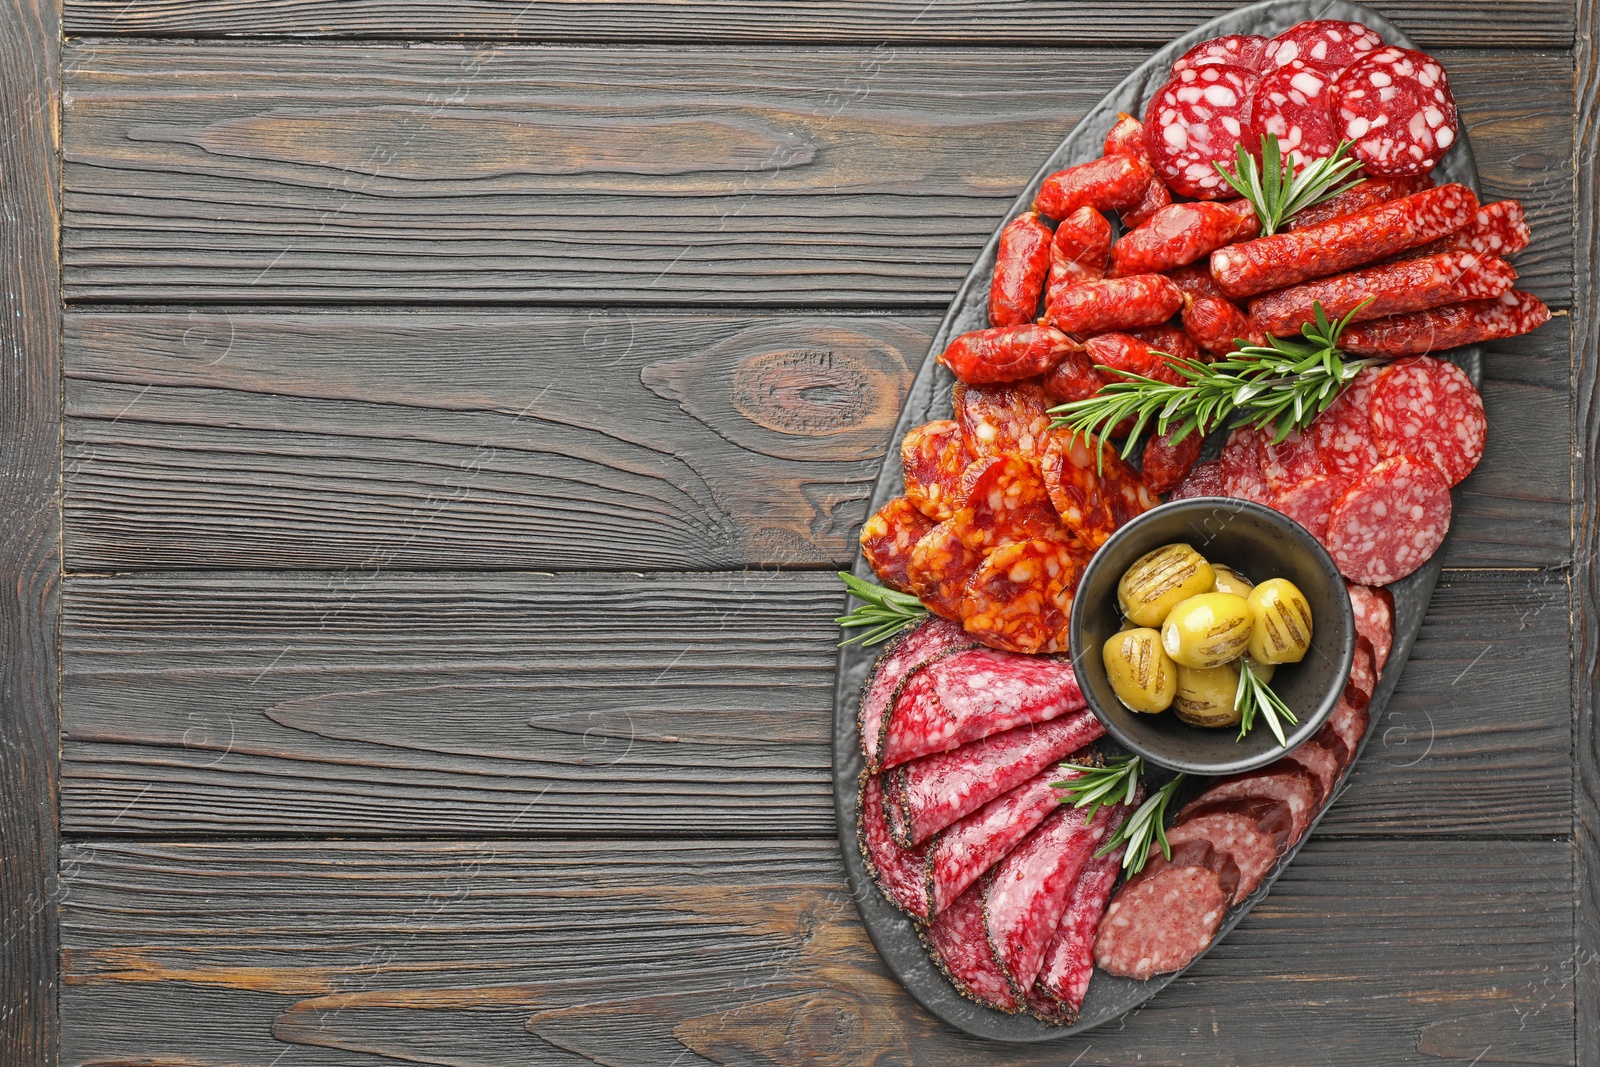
{"type": "Point", "coordinates": [1310, 502]}
{"type": "Point", "coordinates": [1167, 914]}
{"type": "Point", "coordinates": [901, 874]}
{"type": "Point", "coordinates": [971, 694]}
{"type": "Point", "coordinates": [902, 655]}
{"type": "Point", "coordinates": [1374, 612]}
{"type": "Point", "coordinates": [1395, 104]}
{"type": "Point", "coordinates": [976, 842]}
{"type": "Point", "coordinates": [958, 941]}
{"type": "Point", "coordinates": [930, 793]}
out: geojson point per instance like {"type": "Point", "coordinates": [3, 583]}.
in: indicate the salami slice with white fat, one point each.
{"type": "Point", "coordinates": [1390, 521]}
{"type": "Point", "coordinates": [960, 854]}
{"type": "Point", "coordinates": [959, 943]}
{"type": "Point", "coordinates": [1236, 834]}
{"type": "Point", "coordinates": [1343, 433]}
{"type": "Point", "coordinates": [1374, 614]}
{"type": "Point", "coordinates": [1429, 407]}
{"type": "Point", "coordinates": [1291, 461]}
{"type": "Point", "coordinates": [1291, 103]}
{"type": "Point", "coordinates": [1234, 49]}
{"type": "Point", "coordinates": [1167, 914]}
{"type": "Point", "coordinates": [1363, 677]}
{"type": "Point", "coordinates": [1395, 104]}
{"type": "Point", "coordinates": [1204, 480]}
{"type": "Point", "coordinates": [1327, 43]}
{"type": "Point", "coordinates": [1348, 723]}
{"type": "Point", "coordinates": [1194, 122]}
{"type": "Point", "coordinates": [925, 641]}
{"type": "Point", "coordinates": [1310, 501]}
{"type": "Point", "coordinates": [1242, 476]}
{"type": "Point", "coordinates": [1292, 788]}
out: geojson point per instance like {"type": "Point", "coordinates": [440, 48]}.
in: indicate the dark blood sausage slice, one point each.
{"type": "Point", "coordinates": [1080, 251]}
{"type": "Point", "coordinates": [1106, 184]}
{"type": "Point", "coordinates": [1006, 353]}
{"type": "Point", "coordinates": [901, 874]}
{"type": "Point", "coordinates": [1327, 43]}
{"type": "Point", "coordinates": [1343, 432]}
{"type": "Point", "coordinates": [888, 537]}
{"type": "Point", "coordinates": [971, 694]}
{"type": "Point", "coordinates": [1024, 901]}
{"type": "Point", "coordinates": [1074, 378]}
{"type": "Point", "coordinates": [1021, 261]}
{"type": "Point", "coordinates": [1234, 49]}
{"type": "Point", "coordinates": [975, 843]}
{"type": "Point", "coordinates": [1427, 407]}
{"type": "Point", "coordinates": [959, 943]}
{"type": "Point", "coordinates": [1125, 354]}
{"type": "Point", "coordinates": [1293, 788]}
{"type": "Point", "coordinates": [1291, 103]}
{"type": "Point", "coordinates": [1388, 289]}
{"type": "Point", "coordinates": [1092, 307]}
{"type": "Point", "coordinates": [1511, 314]}
{"type": "Point", "coordinates": [1092, 502]}
{"type": "Point", "coordinates": [1217, 325]}
{"type": "Point", "coordinates": [903, 654]}
{"type": "Point", "coordinates": [1498, 229]}
{"type": "Point", "coordinates": [1005, 501]}
{"type": "Point", "coordinates": [1020, 599]}
{"type": "Point", "coordinates": [1395, 104]}
{"type": "Point", "coordinates": [1194, 122]}
{"type": "Point", "coordinates": [1165, 464]}
{"type": "Point", "coordinates": [1310, 502]}
{"type": "Point", "coordinates": [1196, 281]}
{"type": "Point", "coordinates": [1179, 234]}
{"type": "Point", "coordinates": [1366, 194]}
{"type": "Point", "coordinates": [1291, 461]}
{"type": "Point", "coordinates": [1390, 521]}
{"type": "Point", "coordinates": [1241, 466]}
{"type": "Point", "coordinates": [1170, 339]}
{"type": "Point", "coordinates": [928, 794]}
{"type": "Point", "coordinates": [939, 567]}
{"type": "Point", "coordinates": [1235, 835]}
{"type": "Point", "coordinates": [934, 457]}
{"type": "Point", "coordinates": [1167, 914]}
{"type": "Point", "coordinates": [1337, 245]}
{"type": "Point", "coordinates": [1004, 419]}
{"type": "Point", "coordinates": [1127, 138]}
{"type": "Point", "coordinates": [1374, 612]}
{"type": "Point", "coordinates": [1204, 480]}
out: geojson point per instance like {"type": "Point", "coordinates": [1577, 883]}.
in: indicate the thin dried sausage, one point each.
{"type": "Point", "coordinates": [1511, 314]}
{"type": "Point", "coordinates": [1109, 183]}
{"type": "Point", "coordinates": [1388, 289]}
{"type": "Point", "coordinates": [1180, 234]}
{"type": "Point", "coordinates": [1021, 262]}
{"type": "Point", "coordinates": [1114, 304]}
{"type": "Point", "coordinates": [1006, 353]}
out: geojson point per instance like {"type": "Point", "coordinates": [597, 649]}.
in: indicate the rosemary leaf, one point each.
{"type": "Point", "coordinates": [1276, 191]}
{"type": "Point", "coordinates": [882, 614]}
{"type": "Point", "coordinates": [1254, 695]}
{"type": "Point", "coordinates": [1144, 828]}
{"type": "Point", "coordinates": [1095, 787]}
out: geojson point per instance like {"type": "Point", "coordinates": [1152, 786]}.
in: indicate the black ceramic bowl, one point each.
{"type": "Point", "coordinates": [1259, 543]}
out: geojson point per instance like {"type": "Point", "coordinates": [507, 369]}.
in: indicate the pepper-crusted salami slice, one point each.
{"type": "Point", "coordinates": [1374, 612]}
{"type": "Point", "coordinates": [1389, 521]}
{"type": "Point", "coordinates": [1337, 245]}
{"type": "Point", "coordinates": [1020, 598]}
{"type": "Point", "coordinates": [1020, 264]}
{"type": "Point", "coordinates": [1194, 122]}
{"type": "Point", "coordinates": [1092, 500]}
{"type": "Point", "coordinates": [1511, 314]}
{"type": "Point", "coordinates": [888, 537]}
{"type": "Point", "coordinates": [1388, 289]}
{"type": "Point", "coordinates": [1291, 103]}
{"type": "Point", "coordinates": [1114, 304]}
{"type": "Point", "coordinates": [1005, 501]}
{"type": "Point", "coordinates": [1217, 325]}
{"type": "Point", "coordinates": [1327, 43]}
{"type": "Point", "coordinates": [1395, 104]}
{"type": "Point", "coordinates": [902, 655]}
{"type": "Point", "coordinates": [971, 694]}
{"type": "Point", "coordinates": [1366, 194]}
{"type": "Point", "coordinates": [1310, 501]}
{"type": "Point", "coordinates": [1180, 234]}
{"type": "Point", "coordinates": [1125, 354]}
{"type": "Point", "coordinates": [1106, 184]}
{"type": "Point", "coordinates": [1204, 480]}
{"type": "Point", "coordinates": [1080, 251]}
{"type": "Point", "coordinates": [934, 457]}
{"type": "Point", "coordinates": [1291, 461]}
{"type": "Point", "coordinates": [1005, 419]}
{"type": "Point", "coordinates": [939, 567]}
{"type": "Point", "coordinates": [901, 873]}
{"type": "Point", "coordinates": [1343, 433]}
{"type": "Point", "coordinates": [1127, 138]}
{"type": "Point", "coordinates": [974, 844]}
{"type": "Point", "coordinates": [1234, 49]}
{"type": "Point", "coordinates": [1167, 914]}
{"type": "Point", "coordinates": [959, 943]}
{"type": "Point", "coordinates": [1429, 407]}
{"type": "Point", "coordinates": [928, 794]}
{"type": "Point", "coordinates": [1166, 464]}
{"type": "Point", "coordinates": [1005, 353]}
{"type": "Point", "coordinates": [1241, 466]}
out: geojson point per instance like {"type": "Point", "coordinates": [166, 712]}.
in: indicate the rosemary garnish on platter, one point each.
{"type": "Point", "coordinates": [1276, 191]}
{"type": "Point", "coordinates": [883, 612]}
{"type": "Point", "coordinates": [1118, 782]}
{"type": "Point", "coordinates": [1255, 695]}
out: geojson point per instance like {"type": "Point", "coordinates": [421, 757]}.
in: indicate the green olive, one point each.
{"type": "Point", "coordinates": [1282, 629]}
{"type": "Point", "coordinates": [1207, 630]}
{"type": "Point", "coordinates": [1139, 671]}
{"type": "Point", "coordinates": [1159, 580]}
{"type": "Point", "coordinates": [1205, 695]}
{"type": "Point", "coordinates": [1231, 581]}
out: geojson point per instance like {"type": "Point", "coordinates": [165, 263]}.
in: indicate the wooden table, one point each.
{"type": "Point", "coordinates": [415, 634]}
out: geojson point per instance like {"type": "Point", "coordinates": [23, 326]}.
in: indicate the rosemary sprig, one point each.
{"type": "Point", "coordinates": [1276, 191]}
{"type": "Point", "coordinates": [883, 612]}
{"type": "Point", "coordinates": [1286, 383]}
{"type": "Point", "coordinates": [1254, 695]}
{"type": "Point", "coordinates": [1094, 787]}
{"type": "Point", "coordinates": [1145, 827]}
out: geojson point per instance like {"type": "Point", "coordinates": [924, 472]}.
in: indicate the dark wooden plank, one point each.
{"type": "Point", "coordinates": [30, 532]}
{"type": "Point", "coordinates": [583, 440]}
{"type": "Point", "coordinates": [371, 703]}
{"type": "Point", "coordinates": [359, 173]}
{"type": "Point", "coordinates": [1434, 23]}
{"type": "Point", "coordinates": [474, 954]}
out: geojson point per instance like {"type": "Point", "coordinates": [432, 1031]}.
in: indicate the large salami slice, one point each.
{"type": "Point", "coordinates": [1374, 613]}
{"type": "Point", "coordinates": [888, 537]}
{"type": "Point", "coordinates": [1330, 44]}
{"type": "Point", "coordinates": [1310, 501]}
{"type": "Point", "coordinates": [961, 853]}
{"type": "Point", "coordinates": [1343, 433]}
{"type": "Point", "coordinates": [1428, 407]}
{"type": "Point", "coordinates": [928, 794]}
{"type": "Point", "coordinates": [1321, 766]}
{"type": "Point", "coordinates": [902, 655]}
{"type": "Point", "coordinates": [1511, 314]}
{"type": "Point", "coordinates": [1390, 521]}
{"type": "Point", "coordinates": [1291, 461]}
{"type": "Point", "coordinates": [1020, 597]}
{"type": "Point", "coordinates": [1291, 103]}
{"type": "Point", "coordinates": [1167, 914]}
{"type": "Point", "coordinates": [934, 457]}
{"type": "Point", "coordinates": [997, 420]}
{"type": "Point", "coordinates": [1395, 104]}
{"type": "Point", "coordinates": [1234, 50]}
{"type": "Point", "coordinates": [1348, 723]}
{"type": "Point", "coordinates": [1194, 122]}
{"type": "Point", "coordinates": [971, 694]}
{"type": "Point", "coordinates": [959, 943]}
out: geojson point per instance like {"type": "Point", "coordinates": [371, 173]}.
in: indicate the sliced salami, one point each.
{"type": "Point", "coordinates": [1092, 502]}
{"type": "Point", "coordinates": [1374, 613]}
{"type": "Point", "coordinates": [1395, 104]}
{"type": "Point", "coordinates": [923, 642]}
{"type": "Point", "coordinates": [1358, 687]}
{"type": "Point", "coordinates": [1498, 229]}
{"type": "Point", "coordinates": [1167, 914]}
{"type": "Point", "coordinates": [1343, 433]}
{"type": "Point", "coordinates": [1390, 521]}
{"type": "Point", "coordinates": [1291, 103]}
{"type": "Point", "coordinates": [962, 852]}
{"type": "Point", "coordinates": [934, 457]}
{"type": "Point", "coordinates": [1204, 480]}
{"type": "Point", "coordinates": [1237, 836]}
{"type": "Point", "coordinates": [1241, 466]}
{"type": "Point", "coordinates": [1511, 314]}
{"type": "Point", "coordinates": [1020, 598]}
{"type": "Point", "coordinates": [1166, 464]}
{"type": "Point", "coordinates": [1293, 788]}
{"type": "Point", "coordinates": [939, 568]}
{"type": "Point", "coordinates": [1004, 500]}
{"type": "Point", "coordinates": [959, 943]}
{"type": "Point", "coordinates": [1348, 723]}
{"type": "Point", "coordinates": [1326, 43]}
{"type": "Point", "coordinates": [1194, 122]}
{"type": "Point", "coordinates": [1008, 419]}
{"type": "Point", "coordinates": [1287, 463]}
{"type": "Point", "coordinates": [1310, 501]}
{"type": "Point", "coordinates": [928, 794]}
{"type": "Point", "coordinates": [901, 874]}
{"type": "Point", "coordinates": [1429, 407]}
{"type": "Point", "coordinates": [888, 538]}
{"type": "Point", "coordinates": [1321, 766]}
{"type": "Point", "coordinates": [1234, 49]}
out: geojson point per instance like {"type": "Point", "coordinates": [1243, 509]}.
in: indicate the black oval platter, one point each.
{"type": "Point", "coordinates": [893, 932]}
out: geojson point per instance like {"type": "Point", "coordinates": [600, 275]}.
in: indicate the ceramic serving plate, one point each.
{"type": "Point", "coordinates": [893, 932]}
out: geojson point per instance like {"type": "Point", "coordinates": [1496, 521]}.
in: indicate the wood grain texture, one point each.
{"type": "Point", "coordinates": [517, 705]}
{"type": "Point", "coordinates": [592, 440]}
{"type": "Point", "coordinates": [30, 530]}
{"type": "Point", "coordinates": [1520, 23]}
{"type": "Point", "coordinates": [474, 954]}
{"type": "Point", "coordinates": [733, 176]}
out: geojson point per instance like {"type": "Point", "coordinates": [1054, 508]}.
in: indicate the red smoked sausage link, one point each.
{"type": "Point", "coordinates": [1114, 304]}
{"type": "Point", "coordinates": [1196, 280]}
{"type": "Point", "coordinates": [1339, 244]}
{"type": "Point", "coordinates": [1105, 184]}
{"type": "Point", "coordinates": [1369, 193]}
{"type": "Point", "coordinates": [1511, 314]}
{"type": "Point", "coordinates": [1020, 264]}
{"type": "Point", "coordinates": [1126, 353]}
{"type": "Point", "coordinates": [1081, 248]}
{"type": "Point", "coordinates": [1127, 138]}
{"type": "Point", "coordinates": [1393, 288]}
{"type": "Point", "coordinates": [1166, 464]}
{"type": "Point", "coordinates": [1212, 323]}
{"type": "Point", "coordinates": [1074, 378]}
{"type": "Point", "coordinates": [1180, 234]}
{"type": "Point", "coordinates": [1005, 353]}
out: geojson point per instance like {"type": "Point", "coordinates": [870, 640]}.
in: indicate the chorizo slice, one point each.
{"type": "Point", "coordinates": [888, 537]}
{"type": "Point", "coordinates": [1194, 123]}
{"type": "Point", "coordinates": [938, 570]}
{"type": "Point", "coordinates": [1010, 418]}
{"type": "Point", "coordinates": [934, 457]}
{"type": "Point", "coordinates": [1004, 500]}
{"type": "Point", "coordinates": [1020, 598]}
